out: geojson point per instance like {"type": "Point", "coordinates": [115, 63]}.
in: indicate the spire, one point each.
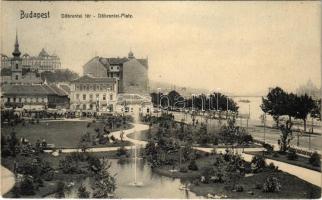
{"type": "Point", "coordinates": [16, 52]}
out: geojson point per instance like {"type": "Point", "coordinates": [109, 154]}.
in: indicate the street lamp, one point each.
{"type": "Point", "coordinates": [159, 101]}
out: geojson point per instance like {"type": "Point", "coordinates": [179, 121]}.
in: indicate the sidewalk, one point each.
{"type": "Point", "coordinates": [7, 180]}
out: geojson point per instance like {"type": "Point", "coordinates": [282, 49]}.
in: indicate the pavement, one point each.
{"type": "Point", "coordinates": [7, 180]}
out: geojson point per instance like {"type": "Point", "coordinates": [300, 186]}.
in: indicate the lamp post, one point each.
{"type": "Point", "coordinates": [159, 101]}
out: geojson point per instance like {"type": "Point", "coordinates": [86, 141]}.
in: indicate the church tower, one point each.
{"type": "Point", "coordinates": [16, 63]}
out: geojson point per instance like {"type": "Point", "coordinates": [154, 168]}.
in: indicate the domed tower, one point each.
{"type": "Point", "coordinates": [131, 55]}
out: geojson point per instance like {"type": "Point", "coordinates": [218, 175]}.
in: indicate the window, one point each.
{"type": "Point", "coordinates": [77, 96]}
{"type": "Point", "coordinates": [14, 99]}
{"type": "Point", "coordinates": [17, 77]}
{"type": "Point", "coordinates": [84, 106]}
{"type": "Point", "coordinates": [19, 100]}
{"type": "Point", "coordinates": [90, 96]}
{"type": "Point", "coordinates": [104, 97]}
{"type": "Point", "coordinates": [84, 97]}
{"type": "Point", "coordinates": [8, 99]}
{"type": "Point", "coordinates": [17, 66]}
{"type": "Point", "coordinates": [77, 87]}
{"type": "Point", "coordinates": [111, 96]}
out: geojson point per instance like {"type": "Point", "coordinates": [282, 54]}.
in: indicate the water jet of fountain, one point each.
{"type": "Point", "coordinates": [135, 115]}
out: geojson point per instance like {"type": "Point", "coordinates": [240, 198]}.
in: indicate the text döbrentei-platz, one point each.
{"type": "Point", "coordinates": [99, 15]}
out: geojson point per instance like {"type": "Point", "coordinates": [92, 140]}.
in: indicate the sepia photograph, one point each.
{"type": "Point", "coordinates": [161, 99]}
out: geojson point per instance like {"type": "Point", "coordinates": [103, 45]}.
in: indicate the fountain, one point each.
{"type": "Point", "coordinates": [136, 183]}
{"type": "Point", "coordinates": [135, 114]}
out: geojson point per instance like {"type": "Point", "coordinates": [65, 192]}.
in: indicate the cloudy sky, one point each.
{"type": "Point", "coordinates": [240, 47]}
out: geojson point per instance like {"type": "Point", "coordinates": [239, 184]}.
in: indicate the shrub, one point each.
{"type": "Point", "coordinates": [315, 159]}
{"type": "Point", "coordinates": [183, 169]}
{"type": "Point", "coordinates": [239, 188]}
{"type": "Point", "coordinates": [48, 176]}
{"type": "Point", "coordinates": [272, 166]}
{"type": "Point", "coordinates": [16, 192]}
{"type": "Point", "coordinates": [82, 192]}
{"type": "Point", "coordinates": [272, 184]}
{"type": "Point", "coordinates": [192, 165]}
{"type": "Point", "coordinates": [27, 186]}
{"type": "Point", "coordinates": [122, 151]}
{"type": "Point", "coordinates": [269, 148]}
{"type": "Point", "coordinates": [5, 152]}
{"type": "Point", "coordinates": [275, 154]}
{"type": "Point", "coordinates": [292, 155]}
{"type": "Point", "coordinates": [259, 161]}
{"type": "Point", "coordinates": [247, 138]}
{"type": "Point", "coordinates": [60, 190]}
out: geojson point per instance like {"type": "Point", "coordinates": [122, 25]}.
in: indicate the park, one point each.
{"type": "Point", "coordinates": [151, 156]}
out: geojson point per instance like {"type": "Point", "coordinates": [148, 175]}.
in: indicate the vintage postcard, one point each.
{"type": "Point", "coordinates": [161, 100]}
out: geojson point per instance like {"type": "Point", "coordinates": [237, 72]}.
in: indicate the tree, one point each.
{"type": "Point", "coordinates": [286, 133]}
{"type": "Point", "coordinates": [62, 75]}
{"type": "Point", "coordinates": [303, 106]}
{"type": "Point", "coordinates": [316, 111]}
{"type": "Point", "coordinates": [173, 96]}
{"type": "Point", "coordinates": [275, 103]}
{"type": "Point", "coordinates": [104, 182]}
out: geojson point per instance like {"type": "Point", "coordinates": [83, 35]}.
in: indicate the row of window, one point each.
{"type": "Point", "coordinates": [92, 87]}
{"type": "Point", "coordinates": [28, 99]}
{"type": "Point", "coordinates": [85, 107]}
{"type": "Point", "coordinates": [113, 75]}
{"type": "Point", "coordinates": [91, 96]}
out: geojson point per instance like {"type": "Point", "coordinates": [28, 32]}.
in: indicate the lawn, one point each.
{"type": "Point", "coordinates": [301, 161]}
{"type": "Point", "coordinates": [63, 134]}
{"type": "Point", "coordinates": [292, 187]}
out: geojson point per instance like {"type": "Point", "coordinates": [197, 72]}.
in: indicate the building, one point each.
{"type": "Point", "coordinates": [93, 94]}
{"type": "Point", "coordinates": [15, 73]}
{"type": "Point", "coordinates": [40, 63]}
{"type": "Point", "coordinates": [34, 97]}
{"type": "Point", "coordinates": [131, 73]}
{"type": "Point", "coordinates": [134, 104]}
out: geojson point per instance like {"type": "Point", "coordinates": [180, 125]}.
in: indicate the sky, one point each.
{"type": "Point", "coordinates": [238, 47]}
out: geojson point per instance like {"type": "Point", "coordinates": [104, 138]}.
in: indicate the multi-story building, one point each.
{"type": "Point", "coordinates": [93, 94]}
{"type": "Point", "coordinates": [42, 62]}
{"type": "Point", "coordinates": [131, 73]}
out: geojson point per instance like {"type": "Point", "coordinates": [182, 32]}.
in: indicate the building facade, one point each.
{"type": "Point", "coordinates": [131, 73]}
{"type": "Point", "coordinates": [134, 104]}
{"type": "Point", "coordinates": [93, 94]}
{"type": "Point", "coordinates": [34, 97]}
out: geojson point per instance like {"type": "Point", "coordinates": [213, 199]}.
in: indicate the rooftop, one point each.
{"type": "Point", "coordinates": [32, 90]}
{"type": "Point", "coordinates": [90, 79]}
